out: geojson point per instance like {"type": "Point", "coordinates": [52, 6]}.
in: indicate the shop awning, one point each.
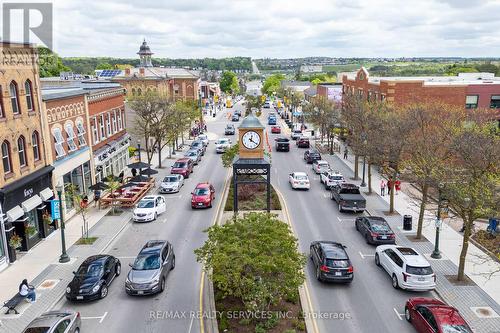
{"type": "Point", "coordinates": [31, 203]}
{"type": "Point", "coordinates": [46, 194]}
{"type": "Point", "coordinates": [14, 213]}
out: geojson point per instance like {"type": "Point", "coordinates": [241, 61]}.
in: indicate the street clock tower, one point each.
{"type": "Point", "coordinates": [251, 138]}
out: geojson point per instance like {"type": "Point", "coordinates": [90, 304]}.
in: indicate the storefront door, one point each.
{"type": "Point", "coordinates": [32, 222]}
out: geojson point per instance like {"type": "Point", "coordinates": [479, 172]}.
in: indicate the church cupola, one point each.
{"type": "Point", "coordinates": [145, 55]}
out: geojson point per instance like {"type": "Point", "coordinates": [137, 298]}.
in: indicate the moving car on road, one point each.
{"type": "Point", "coordinates": [430, 315]}
{"type": "Point", "coordinates": [203, 196]}
{"type": "Point", "coordinates": [271, 120]}
{"type": "Point", "coordinates": [311, 155]}
{"type": "Point", "coordinates": [320, 166]}
{"type": "Point", "coordinates": [296, 133]}
{"type": "Point", "coordinates": [407, 268]}
{"type": "Point", "coordinates": [235, 117]}
{"type": "Point", "coordinates": [65, 321]}
{"type": "Point", "coordinates": [331, 262]}
{"type": "Point", "coordinates": [282, 144]}
{"type": "Point", "coordinates": [93, 278]}
{"type": "Point", "coordinates": [303, 142]}
{"type": "Point", "coordinates": [171, 184]}
{"type": "Point", "coordinates": [275, 129]}
{"type": "Point", "coordinates": [183, 166]}
{"type": "Point", "coordinates": [194, 155]}
{"type": "Point", "coordinates": [331, 178]}
{"type": "Point", "coordinates": [150, 268]}
{"type": "Point", "coordinates": [148, 208]}
{"type": "Point", "coordinates": [348, 197]}
{"type": "Point", "coordinates": [375, 230]}
{"type": "Point", "coordinates": [222, 144]}
{"type": "Point", "coordinates": [299, 180]}
{"type": "Point", "coordinates": [229, 130]}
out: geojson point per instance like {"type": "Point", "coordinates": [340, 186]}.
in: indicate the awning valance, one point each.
{"type": "Point", "coordinates": [31, 203]}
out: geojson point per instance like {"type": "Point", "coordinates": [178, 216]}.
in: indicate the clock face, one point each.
{"type": "Point", "coordinates": [251, 140]}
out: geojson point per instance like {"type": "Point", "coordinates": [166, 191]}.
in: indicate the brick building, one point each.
{"type": "Point", "coordinates": [25, 173]}
{"type": "Point", "coordinates": [470, 90]}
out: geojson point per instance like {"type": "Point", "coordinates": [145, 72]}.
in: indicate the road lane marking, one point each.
{"type": "Point", "coordinates": [338, 218]}
{"type": "Point", "coordinates": [101, 318]}
{"type": "Point", "coordinates": [326, 196]}
{"type": "Point", "coordinates": [173, 196]}
{"type": "Point", "coordinates": [191, 324]}
{"type": "Point", "coordinates": [363, 256]}
{"type": "Point", "coordinates": [400, 315]}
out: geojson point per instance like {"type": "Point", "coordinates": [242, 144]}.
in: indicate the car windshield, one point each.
{"type": "Point", "coordinates": [447, 328]}
{"type": "Point", "coordinates": [419, 270]}
{"type": "Point", "coordinates": [300, 177]}
{"type": "Point", "coordinates": [179, 164]}
{"type": "Point", "coordinates": [222, 141]}
{"type": "Point", "coordinates": [194, 144]}
{"type": "Point", "coordinates": [146, 204]}
{"type": "Point", "coordinates": [170, 179]}
{"type": "Point", "coordinates": [145, 262]}
{"type": "Point", "coordinates": [297, 131]}
{"type": "Point", "coordinates": [337, 263]}
{"type": "Point", "coordinates": [93, 269]}
{"type": "Point", "coordinates": [201, 191]}
{"type": "Point", "coordinates": [191, 153]}
{"type": "Point", "coordinates": [380, 227]}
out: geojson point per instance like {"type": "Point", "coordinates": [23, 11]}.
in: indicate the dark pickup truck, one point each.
{"type": "Point", "coordinates": [282, 144]}
{"type": "Point", "coordinates": [348, 197]}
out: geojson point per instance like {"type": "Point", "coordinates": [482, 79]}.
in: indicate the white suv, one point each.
{"type": "Point", "coordinates": [407, 268]}
{"type": "Point", "coordinates": [331, 178]}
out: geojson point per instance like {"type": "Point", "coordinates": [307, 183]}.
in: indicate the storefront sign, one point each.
{"type": "Point", "coordinates": [55, 209]}
{"type": "Point", "coordinates": [28, 192]}
{"type": "Point", "coordinates": [60, 113]}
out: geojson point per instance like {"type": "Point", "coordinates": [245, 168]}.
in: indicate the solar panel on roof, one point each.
{"type": "Point", "coordinates": [109, 72]}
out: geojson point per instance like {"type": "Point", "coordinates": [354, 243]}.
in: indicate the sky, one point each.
{"type": "Point", "coordinates": [274, 28]}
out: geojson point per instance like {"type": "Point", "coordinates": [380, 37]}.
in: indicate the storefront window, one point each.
{"type": "Point", "coordinates": [67, 182]}
{"type": "Point", "coordinates": [32, 221]}
{"type": "Point", "coordinates": [77, 179]}
{"type": "Point", "coordinates": [107, 168]}
{"type": "Point", "coordinates": [87, 176]}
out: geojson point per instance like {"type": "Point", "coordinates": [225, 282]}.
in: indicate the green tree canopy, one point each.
{"type": "Point", "coordinates": [272, 84]}
{"type": "Point", "coordinates": [50, 63]}
{"type": "Point", "coordinates": [104, 65]}
{"type": "Point", "coordinates": [229, 83]}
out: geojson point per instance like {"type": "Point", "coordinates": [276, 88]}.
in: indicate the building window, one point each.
{"type": "Point", "coordinates": [101, 124]}
{"type": "Point", "coordinates": [81, 133]}
{"type": "Point", "coordinates": [95, 131]}
{"type": "Point", "coordinates": [21, 149]}
{"type": "Point", "coordinates": [108, 124]}
{"type": "Point", "coordinates": [495, 102]}
{"type": "Point", "coordinates": [360, 92]}
{"type": "Point", "coordinates": [382, 97]}
{"type": "Point", "coordinates": [114, 122]}
{"type": "Point", "coordinates": [133, 92]}
{"type": "Point", "coordinates": [35, 142]}
{"type": "Point", "coordinates": [2, 113]}
{"type": "Point", "coordinates": [29, 95]}
{"type": "Point", "coordinates": [471, 101]}
{"type": "Point", "coordinates": [58, 142]}
{"type": "Point", "coordinates": [176, 89]}
{"type": "Point", "coordinates": [139, 92]}
{"type": "Point", "coordinates": [14, 97]}
{"type": "Point", "coordinates": [7, 165]}
{"type": "Point", "coordinates": [71, 137]}
{"type": "Point", "coordinates": [120, 123]}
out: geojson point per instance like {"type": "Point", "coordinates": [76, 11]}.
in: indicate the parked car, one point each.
{"type": "Point", "coordinates": [183, 166]}
{"type": "Point", "coordinates": [92, 279]}
{"type": "Point", "coordinates": [203, 196]}
{"type": "Point", "coordinates": [229, 130]}
{"type": "Point", "coordinates": [276, 129]}
{"type": "Point", "coordinates": [407, 268]}
{"type": "Point", "coordinates": [194, 155]}
{"type": "Point", "coordinates": [150, 268]}
{"type": "Point", "coordinates": [320, 166]}
{"type": "Point", "coordinates": [65, 321]}
{"type": "Point", "coordinates": [235, 117]}
{"type": "Point", "coordinates": [296, 133]}
{"type": "Point", "coordinates": [429, 315]}
{"type": "Point", "coordinates": [331, 262]}
{"type": "Point", "coordinates": [222, 144]}
{"type": "Point", "coordinates": [331, 178]}
{"type": "Point", "coordinates": [348, 197]}
{"type": "Point", "coordinates": [238, 112]}
{"type": "Point", "coordinates": [311, 155]}
{"type": "Point", "coordinates": [148, 208]}
{"type": "Point", "coordinates": [203, 138]}
{"type": "Point", "coordinates": [299, 180]}
{"type": "Point", "coordinates": [282, 144]}
{"type": "Point", "coordinates": [375, 230]}
{"type": "Point", "coordinates": [198, 144]}
{"type": "Point", "coordinates": [267, 105]}
{"type": "Point", "coordinates": [303, 142]}
{"type": "Point", "coordinates": [171, 184]}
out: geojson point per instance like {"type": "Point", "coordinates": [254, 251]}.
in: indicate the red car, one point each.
{"type": "Point", "coordinates": [275, 129]}
{"type": "Point", "coordinates": [302, 142]}
{"type": "Point", "coordinates": [430, 315]}
{"type": "Point", "coordinates": [183, 166]}
{"type": "Point", "coordinates": [202, 196]}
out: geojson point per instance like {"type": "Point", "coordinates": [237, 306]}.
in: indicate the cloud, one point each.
{"type": "Point", "coordinates": [277, 28]}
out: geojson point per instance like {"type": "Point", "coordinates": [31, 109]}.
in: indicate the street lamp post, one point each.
{"type": "Point", "coordinates": [64, 256]}
{"type": "Point", "coordinates": [363, 183]}
{"type": "Point", "coordinates": [436, 254]}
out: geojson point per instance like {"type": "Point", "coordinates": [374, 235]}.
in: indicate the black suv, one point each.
{"type": "Point", "coordinates": [311, 155]}
{"type": "Point", "coordinates": [282, 144]}
{"type": "Point", "coordinates": [375, 230]}
{"type": "Point", "coordinates": [331, 262]}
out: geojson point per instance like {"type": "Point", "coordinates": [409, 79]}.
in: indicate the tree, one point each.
{"type": "Point", "coordinates": [104, 65]}
{"type": "Point", "coordinates": [113, 186]}
{"type": "Point", "coordinates": [73, 193]}
{"type": "Point", "coordinates": [324, 115]}
{"type": "Point", "coordinates": [272, 84]}
{"type": "Point", "coordinates": [50, 63]}
{"type": "Point", "coordinates": [254, 259]}
{"type": "Point", "coordinates": [252, 102]}
{"type": "Point", "coordinates": [229, 155]}
{"type": "Point", "coordinates": [229, 83]}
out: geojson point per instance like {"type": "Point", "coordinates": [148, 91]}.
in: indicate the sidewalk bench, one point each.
{"type": "Point", "coordinates": [13, 302]}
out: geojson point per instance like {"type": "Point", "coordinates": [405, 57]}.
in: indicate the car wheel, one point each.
{"type": "Point", "coordinates": [377, 259]}
{"type": "Point", "coordinates": [407, 314]}
{"type": "Point", "coordinates": [395, 283]}
{"type": "Point", "coordinates": [173, 263]}
{"type": "Point", "coordinates": [356, 226]}
{"type": "Point", "coordinates": [318, 274]}
{"type": "Point", "coordinates": [77, 330]}
{"type": "Point", "coordinates": [118, 269]}
{"type": "Point", "coordinates": [104, 291]}
{"type": "Point", "coordinates": [162, 286]}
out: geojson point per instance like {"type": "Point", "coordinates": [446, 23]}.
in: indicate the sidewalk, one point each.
{"type": "Point", "coordinates": [478, 303]}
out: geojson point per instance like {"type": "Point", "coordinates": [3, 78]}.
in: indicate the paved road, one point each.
{"type": "Point", "coordinates": [371, 301]}
{"type": "Point", "coordinates": [255, 69]}
{"type": "Point", "coordinates": [183, 227]}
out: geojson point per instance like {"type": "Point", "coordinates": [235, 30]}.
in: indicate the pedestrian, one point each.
{"type": "Point", "coordinates": [390, 184]}
{"type": "Point", "coordinates": [27, 291]}
{"type": "Point", "coordinates": [85, 202]}
{"type": "Point", "coordinates": [397, 186]}
{"type": "Point", "coordinates": [383, 185]}
{"type": "Point", "coordinates": [97, 196]}
{"type": "Point", "coordinates": [346, 152]}
{"type": "Point", "coordinates": [120, 177]}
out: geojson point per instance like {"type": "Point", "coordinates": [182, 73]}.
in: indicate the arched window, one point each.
{"type": "Point", "coordinates": [2, 112]}
{"type": "Point", "coordinates": [21, 148]}
{"type": "Point", "coordinates": [6, 161]}
{"type": "Point", "coordinates": [14, 97]}
{"type": "Point", "coordinates": [133, 91]}
{"type": "Point", "coordinates": [29, 95]}
{"type": "Point", "coordinates": [35, 142]}
{"type": "Point", "coordinates": [139, 91]}
{"type": "Point", "coordinates": [58, 142]}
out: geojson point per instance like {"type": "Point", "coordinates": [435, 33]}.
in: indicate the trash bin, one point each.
{"type": "Point", "coordinates": [407, 222]}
